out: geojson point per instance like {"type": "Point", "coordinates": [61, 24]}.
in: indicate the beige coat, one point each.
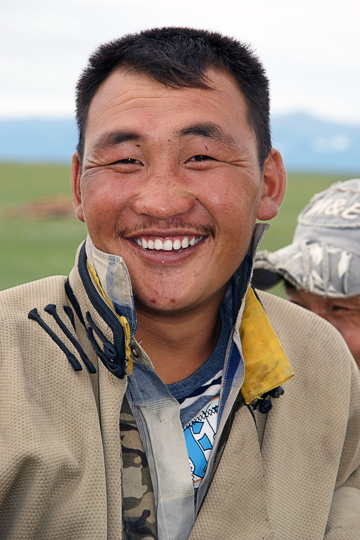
{"type": "Point", "coordinates": [60, 451]}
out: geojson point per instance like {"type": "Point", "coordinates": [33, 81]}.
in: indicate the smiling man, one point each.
{"type": "Point", "coordinates": [140, 392]}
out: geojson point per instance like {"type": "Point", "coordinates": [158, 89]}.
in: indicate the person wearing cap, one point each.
{"type": "Point", "coordinates": [321, 267]}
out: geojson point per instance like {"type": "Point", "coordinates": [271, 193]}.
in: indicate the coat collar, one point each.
{"type": "Point", "coordinates": [266, 365]}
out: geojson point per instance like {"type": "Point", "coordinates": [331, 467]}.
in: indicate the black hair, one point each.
{"type": "Point", "coordinates": [180, 57]}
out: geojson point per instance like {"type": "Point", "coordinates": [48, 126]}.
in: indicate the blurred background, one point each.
{"type": "Point", "coordinates": [310, 50]}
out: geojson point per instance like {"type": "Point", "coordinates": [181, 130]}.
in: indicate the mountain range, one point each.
{"type": "Point", "coordinates": [307, 144]}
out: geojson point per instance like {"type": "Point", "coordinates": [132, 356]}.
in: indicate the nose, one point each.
{"type": "Point", "coordinates": [163, 198]}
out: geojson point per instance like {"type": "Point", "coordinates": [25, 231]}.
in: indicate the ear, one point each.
{"type": "Point", "coordinates": [274, 183]}
{"type": "Point", "coordinates": [75, 186]}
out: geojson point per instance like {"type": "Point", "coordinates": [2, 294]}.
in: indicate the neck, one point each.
{"type": "Point", "coordinates": [178, 344]}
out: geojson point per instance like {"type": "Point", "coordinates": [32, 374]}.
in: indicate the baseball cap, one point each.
{"type": "Point", "coordinates": [324, 257]}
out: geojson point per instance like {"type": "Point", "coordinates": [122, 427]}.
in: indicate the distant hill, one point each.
{"type": "Point", "coordinates": [50, 140]}
{"type": "Point", "coordinates": [310, 144]}
{"type": "Point", "coordinates": [306, 143]}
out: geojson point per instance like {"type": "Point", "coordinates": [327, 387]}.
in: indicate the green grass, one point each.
{"type": "Point", "coordinates": [35, 248]}
{"type": "Point", "coordinates": [21, 182]}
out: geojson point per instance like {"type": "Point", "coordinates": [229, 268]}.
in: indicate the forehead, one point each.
{"type": "Point", "coordinates": [129, 98]}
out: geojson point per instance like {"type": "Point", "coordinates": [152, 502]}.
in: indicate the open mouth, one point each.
{"type": "Point", "coordinates": [168, 244]}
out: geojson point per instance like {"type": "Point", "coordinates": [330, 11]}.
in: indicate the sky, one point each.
{"type": "Point", "coordinates": [310, 48]}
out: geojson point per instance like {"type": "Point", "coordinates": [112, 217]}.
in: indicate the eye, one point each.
{"type": "Point", "coordinates": [339, 308]}
{"type": "Point", "coordinates": [127, 161]}
{"type": "Point", "coordinates": [201, 157]}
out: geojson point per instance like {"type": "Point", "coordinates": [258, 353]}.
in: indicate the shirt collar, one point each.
{"type": "Point", "coordinates": [113, 281]}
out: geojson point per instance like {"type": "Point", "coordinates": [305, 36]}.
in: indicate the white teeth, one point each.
{"type": "Point", "coordinates": [168, 245]}
{"type": "Point", "coordinates": [185, 243]}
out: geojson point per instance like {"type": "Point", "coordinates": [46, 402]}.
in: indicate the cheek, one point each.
{"type": "Point", "coordinates": [228, 202]}
{"type": "Point", "coordinates": [102, 200]}
{"type": "Point", "coordinates": [354, 345]}
{"type": "Point", "coordinates": [350, 333]}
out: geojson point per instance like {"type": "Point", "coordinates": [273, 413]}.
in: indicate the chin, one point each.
{"type": "Point", "coordinates": [156, 304]}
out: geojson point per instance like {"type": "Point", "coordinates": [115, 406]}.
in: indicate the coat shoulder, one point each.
{"type": "Point", "coordinates": [307, 339]}
{"type": "Point", "coordinates": [38, 293]}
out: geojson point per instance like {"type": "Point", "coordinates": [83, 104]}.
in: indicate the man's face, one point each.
{"type": "Point", "coordinates": [171, 182]}
{"type": "Point", "coordinates": [343, 313]}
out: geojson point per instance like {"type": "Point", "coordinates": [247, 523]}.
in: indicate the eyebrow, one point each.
{"type": "Point", "coordinates": [114, 138]}
{"type": "Point", "coordinates": [208, 130]}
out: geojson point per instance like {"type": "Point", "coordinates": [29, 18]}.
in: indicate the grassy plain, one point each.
{"type": "Point", "coordinates": [33, 247]}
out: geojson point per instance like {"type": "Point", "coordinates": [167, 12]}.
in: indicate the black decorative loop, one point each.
{"type": "Point", "coordinates": [69, 312]}
{"type": "Point", "coordinates": [264, 403]}
{"type": "Point", "coordinates": [255, 404]}
{"type": "Point", "coordinates": [34, 315]}
{"type": "Point", "coordinates": [277, 392]}
{"type": "Point", "coordinates": [96, 329]}
{"type": "Point", "coordinates": [51, 309]}
{"type": "Point", "coordinates": [109, 350]}
{"type": "Point", "coordinates": [73, 300]}
{"type": "Point", "coordinates": [116, 366]}
{"type": "Point", "coordinates": [94, 343]}
{"type": "Point", "coordinates": [265, 406]}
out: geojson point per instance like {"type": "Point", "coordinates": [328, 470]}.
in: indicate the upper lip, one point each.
{"type": "Point", "coordinates": [167, 234]}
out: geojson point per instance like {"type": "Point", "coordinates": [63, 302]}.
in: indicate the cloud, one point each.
{"type": "Point", "coordinates": [338, 143]}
